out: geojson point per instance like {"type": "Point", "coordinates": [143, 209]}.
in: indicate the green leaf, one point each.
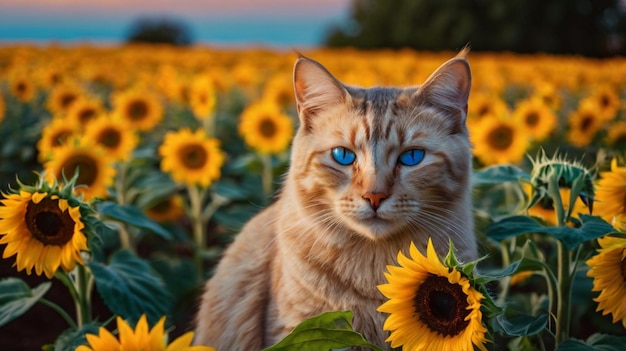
{"type": "Point", "coordinates": [605, 342]}
{"type": "Point", "coordinates": [129, 287]}
{"type": "Point", "coordinates": [70, 339]}
{"type": "Point", "coordinates": [574, 345]}
{"type": "Point", "coordinates": [520, 325]}
{"type": "Point", "coordinates": [133, 216]}
{"type": "Point", "coordinates": [498, 174]}
{"type": "Point", "coordinates": [230, 189]}
{"type": "Point", "coordinates": [331, 330]}
{"type": "Point", "coordinates": [524, 264]}
{"type": "Point", "coordinates": [592, 228]}
{"type": "Point", "coordinates": [16, 298]}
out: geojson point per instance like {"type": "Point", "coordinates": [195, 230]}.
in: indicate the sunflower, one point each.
{"type": "Point", "coordinates": [608, 100]}
{"type": "Point", "coordinates": [202, 97]}
{"type": "Point", "coordinates": [22, 86]}
{"type": "Point", "coordinates": [141, 338]}
{"type": "Point", "coordinates": [95, 169]}
{"type": "Point", "coordinates": [483, 104]}
{"type": "Point", "coordinates": [584, 123]}
{"type": "Point", "coordinates": [53, 135]}
{"type": "Point", "coordinates": [3, 108]}
{"type": "Point", "coordinates": [44, 231]}
{"type": "Point", "coordinates": [167, 210]}
{"type": "Point", "coordinates": [608, 270]}
{"type": "Point", "coordinates": [544, 209]}
{"type": "Point", "coordinates": [63, 96]}
{"type": "Point", "coordinates": [279, 90]}
{"type": "Point", "coordinates": [610, 195]}
{"type": "Point", "coordinates": [191, 157]}
{"type": "Point", "coordinates": [265, 128]}
{"type": "Point", "coordinates": [84, 109]}
{"type": "Point", "coordinates": [537, 117]}
{"type": "Point", "coordinates": [498, 141]}
{"type": "Point", "coordinates": [114, 135]}
{"type": "Point", "coordinates": [139, 107]}
{"type": "Point", "coordinates": [431, 306]}
{"type": "Point", "coordinates": [616, 135]}
{"type": "Point", "coordinates": [549, 94]}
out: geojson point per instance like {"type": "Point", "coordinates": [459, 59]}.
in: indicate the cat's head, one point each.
{"type": "Point", "coordinates": [383, 160]}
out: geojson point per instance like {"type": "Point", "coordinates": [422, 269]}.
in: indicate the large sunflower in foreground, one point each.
{"type": "Point", "coordinates": [114, 134]}
{"type": "Point", "coordinates": [95, 168]}
{"type": "Point", "coordinates": [191, 157]}
{"type": "Point", "coordinates": [141, 338]}
{"type": "Point", "coordinates": [44, 231]}
{"type": "Point", "coordinates": [608, 270]}
{"type": "Point", "coordinates": [265, 128]}
{"type": "Point", "coordinates": [610, 195]}
{"type": "Point", "coordinates": [431, 306]}
{"type": "Point", "coordinates": [141, 108]}
{"type": "Point", "coordinates": [499, 141]}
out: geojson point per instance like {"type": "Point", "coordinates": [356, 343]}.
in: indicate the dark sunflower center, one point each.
{"type": "Point", "coordinates": [605, 101]}
{"type": "Point", "coordinates": [86, 115]}
{"type": "Point", "coordinates": [532, 119]}
{"type": "Point", "coordinates": [267, 127]}
{"type": "Point", "coordinates": [87, 169]}
{"type": "Point", "coordinates": [587, 121]}
{"type": "Point", "coordinates": [441, 306]}
{"type": "Point", "coordinates": [162, 207]}
{"type": "Point", "coordinates": [21, 88]}
{"type": "Point", "coordinates": [483, 110]}
{"type": "Point", "coordinates": [110, 138]}
{"type": "Point", "coordinates": [48, 224]}
{"type": "Point", "coordinates": [59, 138]}
{"type": "Point", "coordinates": [137, 110]}
{"type": "Point", "coordinates": [501, 138]}
{"type": "Point", "coordinates": [193, 156]}
{"type": "Point", "coordinates": [67, 100]}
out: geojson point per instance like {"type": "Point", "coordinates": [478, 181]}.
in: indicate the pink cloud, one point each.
{"type": "Point", "coordinates": [212, 8]}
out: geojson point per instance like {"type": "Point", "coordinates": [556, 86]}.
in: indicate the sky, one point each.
{"type": "Point", "coordinates": [278, 23]}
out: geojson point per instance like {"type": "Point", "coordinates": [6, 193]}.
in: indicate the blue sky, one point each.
{"type": "Point", "coordinates": [235, 22]}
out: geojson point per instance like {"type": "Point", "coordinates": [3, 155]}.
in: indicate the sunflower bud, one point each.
{"type": "Point", "coordinates": [549, 175]}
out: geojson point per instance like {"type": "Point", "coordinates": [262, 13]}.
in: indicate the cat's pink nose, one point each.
{"type": "Point", "coordinates": [375, 199]}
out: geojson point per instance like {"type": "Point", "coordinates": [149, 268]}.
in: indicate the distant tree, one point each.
{"type": "Point", "coordinates": [160, 31]}
{"type": "Point", "coordinates": [588, 27]}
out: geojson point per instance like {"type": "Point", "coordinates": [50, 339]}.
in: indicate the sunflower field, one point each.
{"type": "Point", "coordinates": [126, 170]}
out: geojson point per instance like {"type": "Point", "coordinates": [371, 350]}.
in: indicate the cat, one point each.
{"type": "Point", "coordinates": [371, 170]}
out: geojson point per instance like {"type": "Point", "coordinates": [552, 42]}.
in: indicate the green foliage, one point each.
{"type": "Point", "coordinates": [524, 26]}
{"type": "Point", "coordinates": [159, 31]}
{"type": "Point", "coordinates": [591, 228]}
{"type": "Point", "coordinates": [328, 331]}
{"type": "Point", "coordinates": [72, 338]}
{"type": "Point", "coordinates": [132, 215]}
{"type": "Point", "coordinates": [16, 298]}
{"type": "Point", "coordinates": [130, 287]}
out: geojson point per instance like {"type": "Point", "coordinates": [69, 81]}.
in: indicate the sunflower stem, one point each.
{"type": "Point", "coordinates": [60, 311]}
{"type": "Point", "coordinates": [267, 176]}
{"type": "Point", "coordinates": [120, 185]}
{"type": "Point", "coordinates": [83, 287]}
{"type": "Point", "coordinates": [564, 277]}
{"type": "Point", "coordinates": [196, 198]}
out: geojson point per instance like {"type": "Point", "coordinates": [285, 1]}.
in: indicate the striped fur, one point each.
{"type": "Point", "coordinates": [321, 246]}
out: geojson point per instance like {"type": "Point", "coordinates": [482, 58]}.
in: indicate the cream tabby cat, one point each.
{"type": "Point", "coordinates": [371, 170]}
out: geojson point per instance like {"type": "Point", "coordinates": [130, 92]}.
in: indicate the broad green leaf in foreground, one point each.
{"type": "Point", "coordinates": [129, 287]}
{"type": "Point", "coordinates": [596, 342]}
{"type": "Point", "coordinates": [331, 330]}
{"type": "Point", "coordinates": [71, 339]}
{"type": "Point", "coordinates": [16, 298]}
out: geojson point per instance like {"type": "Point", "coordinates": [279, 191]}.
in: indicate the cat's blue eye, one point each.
{"type": "Point", "coordinates": [411, 157]}
{"type": "Point", "coordinates": [343, 156]}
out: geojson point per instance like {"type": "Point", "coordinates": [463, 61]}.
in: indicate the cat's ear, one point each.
{"type": "Point", "coordinates": [315, 88]}
{"type": "Point", "coordinates": [449, 86]}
